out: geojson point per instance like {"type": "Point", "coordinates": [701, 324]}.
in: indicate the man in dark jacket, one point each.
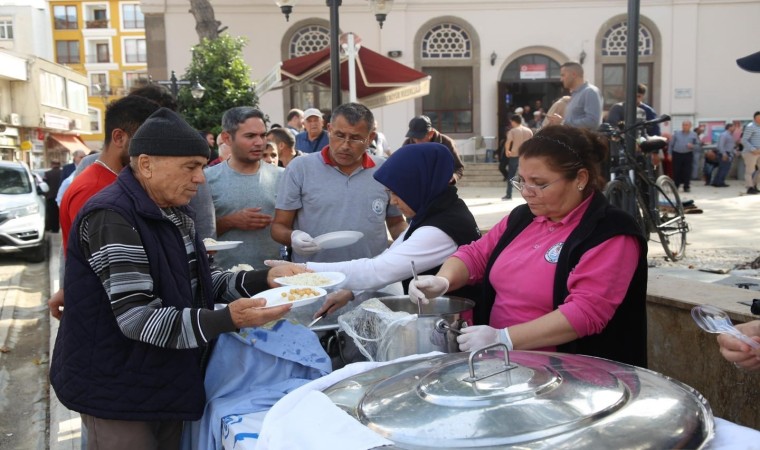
{"type": "Point", "coordinates": [421, 130]}
{"type": "Point", "coordinates": [53, 179]}
{"type": "Point", "coordinates": [139, 292]}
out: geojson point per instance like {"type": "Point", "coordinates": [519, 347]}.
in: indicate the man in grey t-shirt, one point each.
{"type": "Point", "coordinates": [243, 190]}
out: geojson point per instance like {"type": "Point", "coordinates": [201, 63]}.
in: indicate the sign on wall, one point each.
{"type": "Point", "coordinates": [533, 71]}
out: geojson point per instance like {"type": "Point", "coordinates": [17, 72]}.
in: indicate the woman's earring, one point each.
{"type": "Point", "coordinates": [580, 187]}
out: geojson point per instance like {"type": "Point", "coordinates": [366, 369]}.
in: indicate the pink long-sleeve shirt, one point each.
{"type": "Point", "coordinates": [523, 275]}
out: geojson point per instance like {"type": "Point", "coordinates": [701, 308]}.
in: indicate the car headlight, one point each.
{"type": "Point", "coordinates": [21, 211]}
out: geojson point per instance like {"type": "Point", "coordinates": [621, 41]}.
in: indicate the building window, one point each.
{"type": "Point", "coordinates": [102, 52]}
{"type": "Point", "coordinates": [65, 17]}
{"type": "Point", "coordinates": [53, 90]}
{"type": "Point", "coordinates": [98, 83]}
{"type": "Point", "coordinates": [132, 16]}
{"type": "Point", "coordinates": [132, 79]}
{"type": "Point", "coordinates": [67, 52]}
{"type": "Point", "coordinates": [98, 17]}
{"type": "Point", "coordinates": [309, 39]}
{"type": "Point", "coordinates": [447, 56]}
{"type": "Point", "coordinates": [76, 97]}
{"type": "Point", "coordinates": [6, 29]}
{"type": "Point", "coordinates": [615, 41]}
{"type": "Point", "coordinates": [446, 40]}
{"type": "Point", "coordinates": [94, 114]}
{"type": "Point", "coordinates": [613, 45]}
{"type": "Point", "coordinates": [134, 51]}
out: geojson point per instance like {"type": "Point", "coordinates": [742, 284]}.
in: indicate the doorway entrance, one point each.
{"type": "Point", "coordinates": [527, 80]}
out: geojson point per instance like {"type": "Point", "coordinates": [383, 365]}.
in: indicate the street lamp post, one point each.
{"type": "Point", "coordinates": [196, 89]}
{"type": "Point", "coordinates": [380, 8]}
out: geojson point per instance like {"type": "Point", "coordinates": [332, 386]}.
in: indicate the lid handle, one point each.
{"type": "Point", "coordinates": [471, 362]}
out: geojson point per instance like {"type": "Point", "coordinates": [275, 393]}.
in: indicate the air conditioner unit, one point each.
{"type": "Point", "coordinates": [14, 119]}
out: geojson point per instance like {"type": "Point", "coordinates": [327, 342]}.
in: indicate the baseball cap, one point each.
{"type": "Point", "coordinates": [312, 112]}
{"type": "Point", "coordinates": [750, 63]}
{"type": "Point", "coordinates": [419, 127]}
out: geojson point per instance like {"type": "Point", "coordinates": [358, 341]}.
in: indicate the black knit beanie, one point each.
{"type": "Point", "coordinates": [165, 133]}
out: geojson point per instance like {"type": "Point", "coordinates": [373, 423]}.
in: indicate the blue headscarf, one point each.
{"type": "Point", "coordinates": [418, 174]}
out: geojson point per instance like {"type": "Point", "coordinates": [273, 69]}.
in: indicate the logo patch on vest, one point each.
{"type": "Point", "coordinates": [552, 255]}
{"type": "Point", "coordinates": [378, 206]}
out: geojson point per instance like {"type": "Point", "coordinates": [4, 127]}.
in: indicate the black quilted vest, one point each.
{"type": "Point", "coordinates": [95, 369]}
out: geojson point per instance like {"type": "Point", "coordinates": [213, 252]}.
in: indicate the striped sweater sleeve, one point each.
{"type": "Point", "coordinates": [115, 253]}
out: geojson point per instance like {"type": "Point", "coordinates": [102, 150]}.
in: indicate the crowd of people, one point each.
{"type": "Point", "coordinates": [139, 308]}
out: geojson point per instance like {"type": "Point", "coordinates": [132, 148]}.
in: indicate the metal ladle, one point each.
{"type": "Point", "coordinates": [419, 306]}
{"type": "Point", "coordinates": [715, 320]}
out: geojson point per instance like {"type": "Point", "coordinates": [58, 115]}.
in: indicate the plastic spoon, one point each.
{"type": "Point", "coordinates": [715, 320]}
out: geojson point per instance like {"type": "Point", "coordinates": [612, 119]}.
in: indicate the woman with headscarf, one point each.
{"type": "Point", "coordinates": [417, 179]}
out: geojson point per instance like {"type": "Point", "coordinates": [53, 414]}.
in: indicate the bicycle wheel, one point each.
{"type": "Point", "coordinates": [621, 193]}
{"type": "Point", "coordinates": [670, 222]}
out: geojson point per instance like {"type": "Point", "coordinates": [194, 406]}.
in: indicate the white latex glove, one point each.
{"type": "Point", "coordinates": [303, 244]}
{"type": "Point", "coordinates": [426, 287]}
{"type": "Point", "coordinates": [479, 336]}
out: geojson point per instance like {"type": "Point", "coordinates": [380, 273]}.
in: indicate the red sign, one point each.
{"type": "Point", "coordinates": [532, 71]}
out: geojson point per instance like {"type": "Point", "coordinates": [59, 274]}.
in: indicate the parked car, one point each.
{"type": "Point", "coordinates": [22, 211]}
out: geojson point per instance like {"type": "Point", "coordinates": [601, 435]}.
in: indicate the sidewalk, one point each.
{"type": "Point", "coordinates": [65, 425]}
{"type": "Point", "coordinates": [728, 225]}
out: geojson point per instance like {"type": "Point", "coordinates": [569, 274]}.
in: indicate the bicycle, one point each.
{"type": "Point", "coordinates": [653, 202]}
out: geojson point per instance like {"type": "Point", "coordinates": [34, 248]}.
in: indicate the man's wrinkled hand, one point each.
{"type": "Point", "coordinates": [250, 312]}
{"type": "Point", "coordinates": [427, 287]}
{"type": "Point", "coordinates": [55, 304]}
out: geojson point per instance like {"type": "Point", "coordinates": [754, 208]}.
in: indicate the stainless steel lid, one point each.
{"type": "Point", "coordinates": [536, 400]}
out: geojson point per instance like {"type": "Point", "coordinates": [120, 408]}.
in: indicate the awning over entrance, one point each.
{"type": "Point", "coordinates": [380, 80]}
{"type": "Point", "coordinates": [69, 142]}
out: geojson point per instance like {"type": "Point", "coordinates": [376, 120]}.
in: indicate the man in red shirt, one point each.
{"type": "Point", "coordinates": [123, 117]}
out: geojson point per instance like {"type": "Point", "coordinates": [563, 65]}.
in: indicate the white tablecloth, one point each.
{"type": "Point", "coordinates": [244, 432]}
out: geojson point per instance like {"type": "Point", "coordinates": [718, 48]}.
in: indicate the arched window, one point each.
{"type": "Point", "coordinates": [613, 49]}
{"type": "Point", "coordinates": [307, 39]}
{"type": "Point", "coordinates": [447, 53]}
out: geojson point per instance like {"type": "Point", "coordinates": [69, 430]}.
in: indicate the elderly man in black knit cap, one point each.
{"type": "Point", "coordinates": [140, 319]}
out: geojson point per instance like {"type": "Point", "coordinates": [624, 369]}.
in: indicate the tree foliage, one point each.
{"type": "Point", "coordinates": [219, 66]}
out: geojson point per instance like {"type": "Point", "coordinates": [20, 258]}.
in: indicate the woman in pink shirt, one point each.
{"type": "Point", "coordinates": [566, 271]}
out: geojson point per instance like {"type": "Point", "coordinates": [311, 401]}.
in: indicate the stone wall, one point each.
{"type": "Point", "coordinates": [681, 350]}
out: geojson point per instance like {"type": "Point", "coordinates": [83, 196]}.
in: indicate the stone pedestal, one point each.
{"type": "Point", "coordinates": [681, 350]}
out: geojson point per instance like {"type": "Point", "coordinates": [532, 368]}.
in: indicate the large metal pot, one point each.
{"type": "Point", "coordinates": [431, 331]}
{"type": "Point", "coordinates": [531, 400]}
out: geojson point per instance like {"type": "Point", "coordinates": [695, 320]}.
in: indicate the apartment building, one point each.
{"type": "Point", "coordinates": [105, 41]}
{"type": "Point", "coordinates": [43, 105]}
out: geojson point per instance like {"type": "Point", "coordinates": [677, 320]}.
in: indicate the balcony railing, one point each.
{"type": "Point", "coordinates": [100, 23]}
{"type": "Point", "coordinates": [102, 59]}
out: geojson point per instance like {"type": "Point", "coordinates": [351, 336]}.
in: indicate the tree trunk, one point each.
{"type": "Point", "coordinates": [205, 24]}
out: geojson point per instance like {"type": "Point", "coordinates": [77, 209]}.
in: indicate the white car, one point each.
{"type": "Point", "coordinates": [22, 212]}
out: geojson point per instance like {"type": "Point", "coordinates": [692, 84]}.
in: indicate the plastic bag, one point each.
{"type": "Point", "coordinates": [372, 326]}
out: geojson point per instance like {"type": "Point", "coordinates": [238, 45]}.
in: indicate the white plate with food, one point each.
{"type": "Point", "coordinates": [319, 279]}
{"type": "Point", "coordinates": [294, 295]}
{"type": "Point", "coordinates": [338, 239]}
{"type": "Point", "coordinates": [214, 245]}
